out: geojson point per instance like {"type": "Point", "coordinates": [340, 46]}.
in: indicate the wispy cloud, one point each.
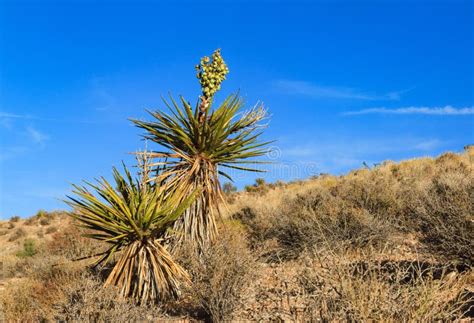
{"type": "Point", "coordinates": [36, 140]}
{"type": "Point", "coordinates": [345, 147]}
{"type": "Point", "coordinates": [7, 115]}
{"type": "Point", "coordinates": [440, 111]}
{"type": "Point", "coordinates": [318, 91]}
{"type": "Point", "coordinates": [338, 154]}
{"type": "Point", "coordinates": [428, 145]}
{"type": "Point", "coordinates": [37, 136]}
{"type": "Point", "coordinates": [102, 98]}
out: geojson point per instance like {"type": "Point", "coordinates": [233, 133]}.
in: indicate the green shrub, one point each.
{"type": "Point", "coordinates": [29, 249]}
{"type": "Point", "coordinates": [260, 186]}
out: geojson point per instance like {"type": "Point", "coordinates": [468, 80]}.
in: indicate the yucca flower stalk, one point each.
{"type": "Point", "coordinates": [132, 218]}
{"type": "Point", "coordinates": [199, 144]}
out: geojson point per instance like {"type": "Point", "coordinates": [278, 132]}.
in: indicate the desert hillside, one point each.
{"type": "Point", "coordinates": [394, 242]}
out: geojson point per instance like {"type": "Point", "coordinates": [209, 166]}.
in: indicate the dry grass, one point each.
{"type": "Point", "coordinates": [19, 233]}
{"type": "Point", "coordinates": [427, 200]}
{"type": "Point", "coordinates": [335, 287]}
{"type": "Point", "coordinates": [51, 229]}
{"type": "Point", "coordinates": [33, 297]}
{"type": "Point", "coordinates": [87, 301]}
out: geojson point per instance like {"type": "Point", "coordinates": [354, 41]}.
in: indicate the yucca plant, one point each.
{"type": "Point", "coordinates": [199, 143]}
{"type": "Point", "coordinates": [132, 218]}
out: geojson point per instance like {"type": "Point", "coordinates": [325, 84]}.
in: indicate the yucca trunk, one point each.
{"type": "Point", "coordinates": [198, 224]}
{"type": "Point", "coordinates": [146, 272]}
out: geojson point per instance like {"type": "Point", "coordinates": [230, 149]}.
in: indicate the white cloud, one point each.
{"type": "Point", "coordinates": [102, 98]}
{"type": "Point", "coordinates": [335, 154]}
{"type": "Point", "coordinates": [6, 118]}
{"type": "Point", "coordinates": [7, 115]}
{"type": "Point", "coordinates": [361, 146]}
{"type": "Point", "coordinates": [37, 136]}
{"type": "Point", "coordinates": [444, 111]}
{"type": "Point", "coordinates": [318, 91]}
{"type": "Point", "coordinates": [428, 145]}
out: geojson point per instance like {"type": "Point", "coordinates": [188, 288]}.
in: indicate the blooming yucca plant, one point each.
{"type": "Point", "coordinates": [132, 218]}
{"type": "Point", "coordinates": [199, 143]}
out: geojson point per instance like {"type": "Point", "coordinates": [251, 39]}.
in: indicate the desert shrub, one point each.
{"type": "Point", "coordinates": [42, 217]}
{"type": "Point", "coordinates": [260, 187]}
{"type": "Point", "coordinates": [29, 249]}
{"type": "Point", "coordinates": [67, 292]}
{"type": "Point", "coordinates": [259, 226]}
{"type": "Point", "coordinates": [334, 291]}
{"type": "Point", "coordinates": [51, 229]}
{"type": "Point", "coordinates": [19, 233]}
{"type": "Point", "coordinates": [229, 188]}
{"type": "Point", "coordinates": [71, 243]}
{"type": "Point", "coordinates": [18, 302]}
{"type": "Point", "coordinates": [249, 188]}
{"type": "Point", "coordinates": [221, 274]}
{"type": "Point", "coordinates": [375, 191]}
{"type": "Point", "coordinates": [46, 220]}
{"type": "Point", "coordinates": [34, 297]}
{"type": "Point", "coordinates": [31, 220]}
{"type": "Point", "coordinates": [40, 233]}
{"type": "Point", "coordinates": [15, 218]}
{"type": "Point", "coordinates": [315, 219]}
{"type": "Point", "coordinates": [87, 301]}
{"type": "Point", "coordinates": [40, 214]}
{"type": "Point", "coordinates": [280, 183]}
{"type": "Point", "coordinates": [447, 218]}
{"type": "Point", "coordinates": [260, 182]}
{"type": "Point", "coordinates": [309, 228]}
{"type": "Point", "coordinates": [230, 191]}
{"type": "Point", "coordinates": [11, 225]}
{"type": "Point", "coordinates": [51, 288]}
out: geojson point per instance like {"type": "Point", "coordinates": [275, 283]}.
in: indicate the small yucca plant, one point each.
{"type": "Point", "coordinates": [132, 218]}
{"type": "Point", "coordinates": [200, 142]}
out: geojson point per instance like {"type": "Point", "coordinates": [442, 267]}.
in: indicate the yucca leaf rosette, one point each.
{"type": "Point", "coordinates": [132, 219]}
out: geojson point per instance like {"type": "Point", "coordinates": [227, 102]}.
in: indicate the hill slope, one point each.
{"type": "Point", "coordinates": [390, 243]}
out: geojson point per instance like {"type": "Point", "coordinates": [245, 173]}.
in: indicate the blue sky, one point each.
{"type": "Point", "coordinates": [344, 81]}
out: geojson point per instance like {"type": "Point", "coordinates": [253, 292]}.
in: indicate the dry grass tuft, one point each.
{"type": "Point", "coordinates": [87, 301]}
